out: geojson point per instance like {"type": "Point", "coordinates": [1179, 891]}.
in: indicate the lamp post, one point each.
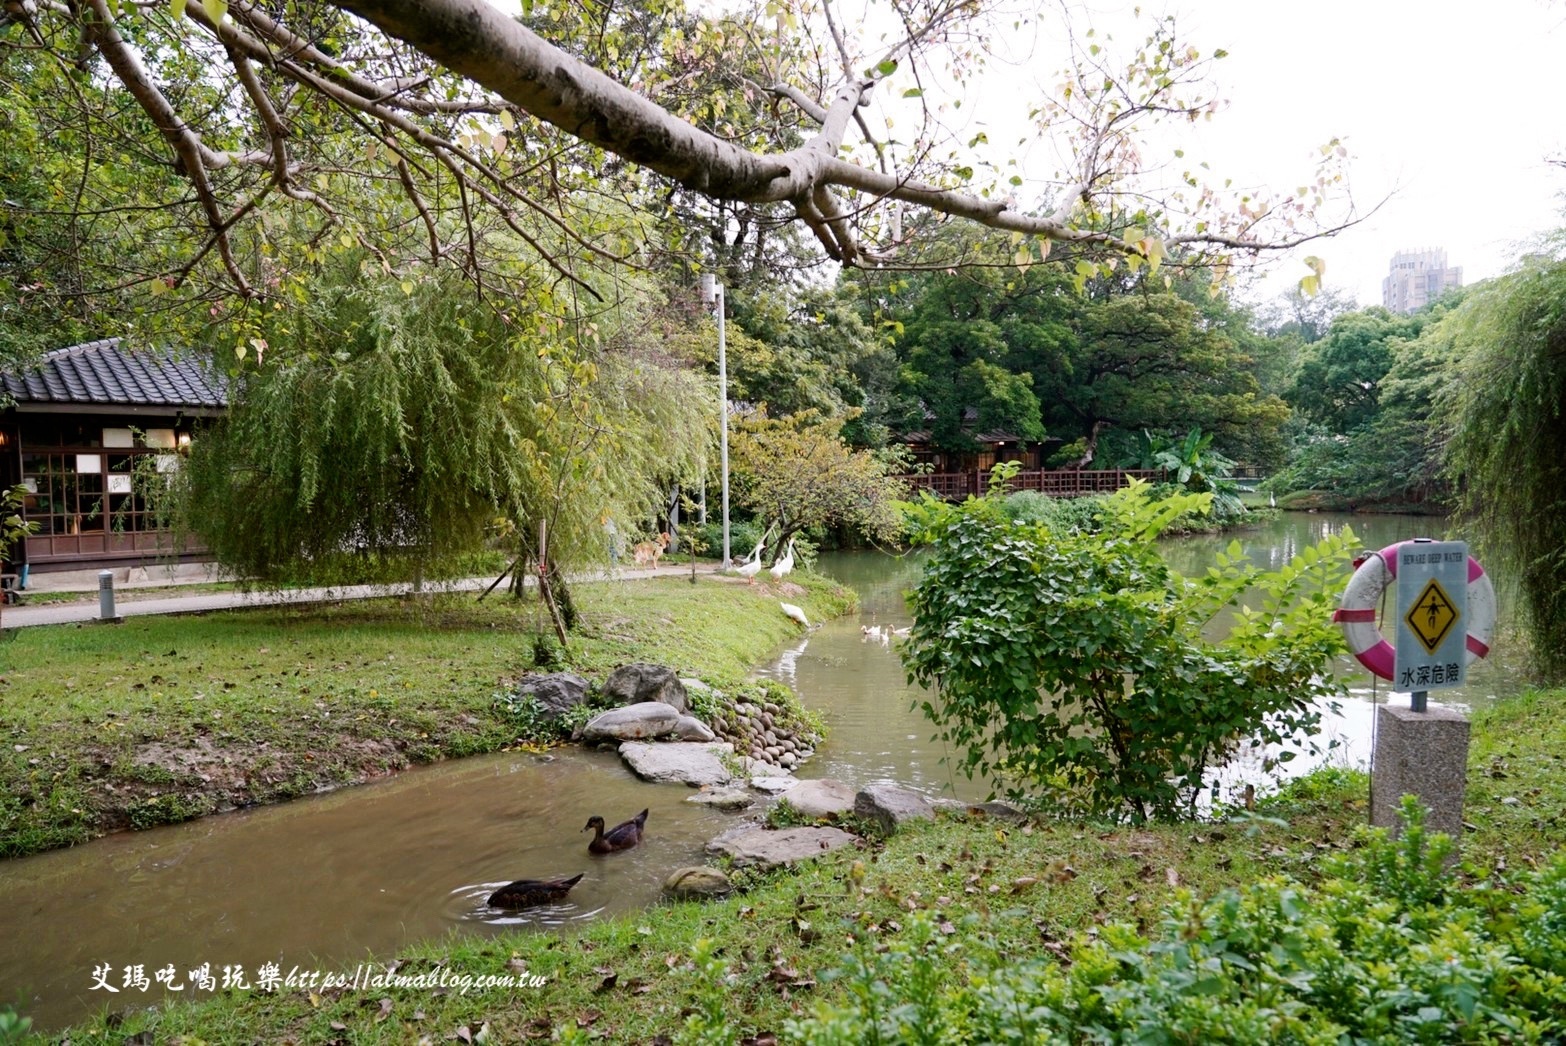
{"type": "Point", "coordinates": [712, 294]}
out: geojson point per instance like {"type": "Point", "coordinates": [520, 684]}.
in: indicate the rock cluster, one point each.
{"type": "Point", "coordinates": [766, 732]}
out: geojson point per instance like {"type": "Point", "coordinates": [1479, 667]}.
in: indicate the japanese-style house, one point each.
{"type": "Point", "coordinates": [86, 430]}
{"type": "Point", "coordinates": [991, 449]}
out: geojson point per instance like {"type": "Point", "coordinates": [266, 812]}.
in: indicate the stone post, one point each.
{"type": "Point", "coordinates": [1423, 754]}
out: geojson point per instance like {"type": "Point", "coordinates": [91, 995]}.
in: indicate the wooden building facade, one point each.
{"type": "Point", "coordinates": [89, 431]}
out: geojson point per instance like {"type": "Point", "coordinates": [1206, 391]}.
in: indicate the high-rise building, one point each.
{"type": "Point", "coordinates": [1417, 278]}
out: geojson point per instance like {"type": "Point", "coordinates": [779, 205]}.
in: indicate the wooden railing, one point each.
{"type": "Point", "coordinates": [1062, 484]}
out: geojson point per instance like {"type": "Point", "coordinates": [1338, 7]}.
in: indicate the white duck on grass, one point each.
{"type": "Point", "coordinates": [784, 565]}
{"type": "Point", "coordinates": [752, 566]}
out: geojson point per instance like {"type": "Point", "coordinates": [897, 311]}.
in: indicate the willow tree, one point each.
{"type": "Point", "coordinates": [1507, 451]}
{"type": "Point", "coordinates": [408, 420]}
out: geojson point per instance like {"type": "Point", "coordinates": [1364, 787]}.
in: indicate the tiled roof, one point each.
{"type": "Point", "coordinates": [108, 373]}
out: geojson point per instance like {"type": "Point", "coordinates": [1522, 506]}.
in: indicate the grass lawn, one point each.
{"type": "Point", "coordinates": [751, 962]}
{"type": "Point", "coordinates": [161, 719]}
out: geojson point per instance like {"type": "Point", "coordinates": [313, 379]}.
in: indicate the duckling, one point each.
{"type": "Point", "coordinates": [525, 893]}
{"type": "Point", "coordinates": [620, 837]}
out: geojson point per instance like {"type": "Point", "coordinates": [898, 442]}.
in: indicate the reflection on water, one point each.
{"type": "Point", "coordinates": [328, 882]}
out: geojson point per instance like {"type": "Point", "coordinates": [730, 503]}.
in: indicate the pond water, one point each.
{"type": "Point", "coordinates": [328, 882]}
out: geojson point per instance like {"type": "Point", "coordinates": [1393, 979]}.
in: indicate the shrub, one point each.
{"type": "Point", "coordinates": [1073, 668]}
{"type": "Point", "coordinates": [1275, 961]}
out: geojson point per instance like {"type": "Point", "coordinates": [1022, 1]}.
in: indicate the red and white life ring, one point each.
{"type": "Point", "coordinates": [1357, 615]}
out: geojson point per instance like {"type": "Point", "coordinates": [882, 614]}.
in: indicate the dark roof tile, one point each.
{"type": "Point", "coordinates": [109, 373]}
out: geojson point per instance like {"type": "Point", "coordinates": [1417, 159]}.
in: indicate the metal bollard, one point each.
{"type": "Point", "coordinates": [106, 595]}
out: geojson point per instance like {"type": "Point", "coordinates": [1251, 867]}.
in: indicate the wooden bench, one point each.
{"type": "Point", "coordinates": [9, 593]}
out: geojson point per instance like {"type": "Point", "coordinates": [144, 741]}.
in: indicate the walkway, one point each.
{"type": "Point", "coordinates": [127, 604]}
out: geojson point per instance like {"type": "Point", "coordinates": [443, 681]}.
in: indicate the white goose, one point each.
{"type": "Point", "coordinates": [751, 567]}
{"type": "Point", "coordinates": [784, 565]}
{"type": "Point", "coordinates": [795, 612]}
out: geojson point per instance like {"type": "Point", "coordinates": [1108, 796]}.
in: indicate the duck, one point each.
{"type": "Point", "coordinates": [526, 893]}
{"type": "Point", "coordinates": [784, 565]}
{"type": "Point", "coordinates": [620, 837]}
{"type": "Point", "coordinates": [795, 612]}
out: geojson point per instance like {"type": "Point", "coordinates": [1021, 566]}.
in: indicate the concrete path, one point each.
{"type": "Point", "coordinates": [128, 604]}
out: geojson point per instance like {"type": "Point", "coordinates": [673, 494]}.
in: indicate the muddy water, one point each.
{"type": "Point", "coordinates": [325, 883]}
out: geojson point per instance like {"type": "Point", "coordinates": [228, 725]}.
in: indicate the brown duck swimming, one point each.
{"type": "Point", "coordinates": [620, 837]}
{"type": "Point", "coordinates": [525, 893]}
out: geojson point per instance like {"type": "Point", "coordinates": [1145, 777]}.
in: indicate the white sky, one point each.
{"type": "Point", "coordinates": [1449, 110]}
{"type": "Point", "coordinates": [1452, 108]}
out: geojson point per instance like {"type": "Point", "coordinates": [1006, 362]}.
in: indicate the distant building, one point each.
{"type": "Point", "coordinates": [1417, 278]}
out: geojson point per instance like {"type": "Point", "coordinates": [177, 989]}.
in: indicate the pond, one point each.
{"type": "Point", "coordinates": [328, 882]}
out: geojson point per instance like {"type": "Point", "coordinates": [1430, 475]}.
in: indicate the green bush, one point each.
{"type": "Point", "coordinates": [1063, 515]}
{"type": "Point", "coordinates": [1074, 670]}
{"type": "Point", "coordinates": [1348, 961]}
{"type": "Point", "coordinates": [742, 538]}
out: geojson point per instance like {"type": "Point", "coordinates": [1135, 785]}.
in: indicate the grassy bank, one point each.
{"type": "Point", "coordinates": [743, 967]}
{"type": "Point", "coordinates": [161, 719]}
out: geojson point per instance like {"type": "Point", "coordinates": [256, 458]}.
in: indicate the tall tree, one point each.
{"type": "Point", "coordinates": [799, 473]}
{"type": "Point", "coordinates": [1507, 453]}
{"type": "Point", "coordinates": [1338, 384]}
{"type": "Point", "coordinates": [426, 123]}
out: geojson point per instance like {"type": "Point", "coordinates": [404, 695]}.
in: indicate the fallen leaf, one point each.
{"type": "Point", "coordinates": [385, 1011]}
{"type": "Point", "coordinates": [1019, 885]}
{"type": "Point", "coordinates": [1172, 876]}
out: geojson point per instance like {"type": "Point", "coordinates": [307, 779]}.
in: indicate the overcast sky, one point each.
{"type": "Point", "coordinates": [1449, 108]}
{"type": "Point", "coordinates": [1449, 111]}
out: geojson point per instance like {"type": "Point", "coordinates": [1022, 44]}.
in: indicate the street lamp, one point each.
{"type": "Point", "coordinates": [712, 294]}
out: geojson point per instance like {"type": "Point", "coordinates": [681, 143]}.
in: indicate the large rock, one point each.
{"type": "Point", "coordinates": [634, 683]}
{"type": "Point", "coordinates": [696, 881]}
{"type": "Point", "coordinates": [632, 723]}
{"type": "Point", "coordinates": [774, 785]}
{"type": "Point", "coordinates": [826, 797]}
{"type": "Point", "coordinates": [891, 805]}
{"type": "Point", "coordinates": [689, 728]}
{"type": "Point", "coordinates": [683, 762]}
{"type": "Point", "coordinates": [723, 797]}
{"type": "Point", "coordinates": [556, 692]}
{"type": "Point", "coordinates": [768, 848]}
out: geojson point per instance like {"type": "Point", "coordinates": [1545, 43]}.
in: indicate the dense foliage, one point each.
{"type": "Point", "coordinates": [798, 472]}
{"type": "Point", "coordinates": [1385, 949]}
{"type": "Point", "coordinates": [1073, 669]}
{"type": "Point", "coordinates": [1366, 425]}
{"type": "Point", "coordinates": [401, 420]}
{"type": "Point", "coordinates": [1508, 445]}
{"type": "Point", "coordinates": [1027, 352]}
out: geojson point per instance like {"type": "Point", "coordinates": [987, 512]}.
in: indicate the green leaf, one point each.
{"type": "Point", "coordinates": [179, 9]}
{"type": "Point", "coordinates": [887, 68]}
{"type": "Point", "coordinates": [215, 9]}
{"type": "Point", "coordinates": [913, 92]}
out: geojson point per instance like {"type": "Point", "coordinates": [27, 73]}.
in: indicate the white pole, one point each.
{"type": "Point", "coordinates": [712, 293]}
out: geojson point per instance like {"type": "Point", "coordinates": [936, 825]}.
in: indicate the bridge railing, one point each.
{"type": "Point", "coordinates": [1056, 484]}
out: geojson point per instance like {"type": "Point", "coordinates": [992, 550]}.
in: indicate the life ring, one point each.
{"type": "Point", "coordinates": [1357, 615]}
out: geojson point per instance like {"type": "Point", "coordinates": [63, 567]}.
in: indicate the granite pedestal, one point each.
{"type": "Point", "coordinates": [1423, 754]}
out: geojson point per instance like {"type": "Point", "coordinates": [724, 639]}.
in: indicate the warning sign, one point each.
{"type": "Point", "coordinates": [1432, 601]}
{"type": "Point", "coordinates": [1432, 616]}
